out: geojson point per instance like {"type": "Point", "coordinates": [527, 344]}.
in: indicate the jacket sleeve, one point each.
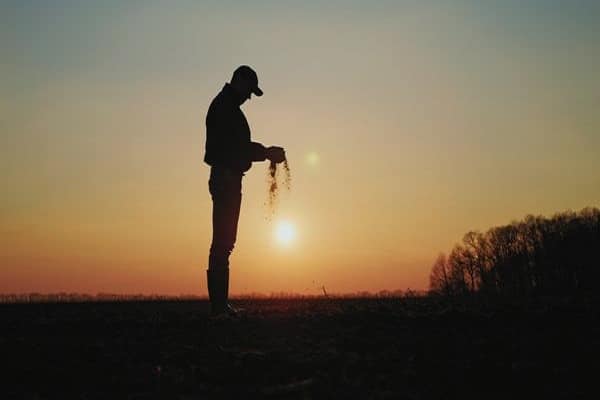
{"type": "Point", "coordinates": [257, 152]}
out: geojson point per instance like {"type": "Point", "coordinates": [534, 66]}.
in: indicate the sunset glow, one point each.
{"type": "Point", "coordinates": [405, 123]}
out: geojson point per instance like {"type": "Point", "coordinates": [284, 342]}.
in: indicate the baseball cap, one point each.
{"type": "Point", "coordinates": [248, 74]}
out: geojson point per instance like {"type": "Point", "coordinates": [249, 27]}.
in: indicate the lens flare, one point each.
{"type": "Point", "coordinates": [312, 159]}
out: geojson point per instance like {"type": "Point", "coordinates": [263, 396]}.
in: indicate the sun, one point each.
{"type": "Point", "coordinates": [285, 232]}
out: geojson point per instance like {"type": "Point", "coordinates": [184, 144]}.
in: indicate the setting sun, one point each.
{"type": "Point", "coordinates": [285, 233]}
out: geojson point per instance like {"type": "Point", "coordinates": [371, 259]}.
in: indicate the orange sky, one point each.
{"type": "Point", "coordinates": [426, 120]}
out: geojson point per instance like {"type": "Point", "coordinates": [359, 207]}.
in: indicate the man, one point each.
{"type": "Point", "coordinates": [229, 152]}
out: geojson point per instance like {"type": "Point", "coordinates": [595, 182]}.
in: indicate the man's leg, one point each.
{"type": "Point", "coordinates": [226, 195]}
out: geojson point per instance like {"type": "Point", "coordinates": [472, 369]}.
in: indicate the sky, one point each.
{"type": "Point", "coordinates": [405, 123]}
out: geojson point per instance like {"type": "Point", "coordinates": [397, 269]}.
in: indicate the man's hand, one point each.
{"type": "Point", "coordinates": [276, 154]}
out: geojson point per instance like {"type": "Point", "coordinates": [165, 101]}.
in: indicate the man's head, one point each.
{"type": "Point", "coordinates": [245, 82]}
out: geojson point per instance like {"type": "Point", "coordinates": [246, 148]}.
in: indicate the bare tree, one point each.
{"type": "Point", "coordinates": [439, 279]}
{"type": "Point", "coordinates": [537, 255]}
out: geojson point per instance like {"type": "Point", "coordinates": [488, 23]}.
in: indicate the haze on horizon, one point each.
{"type": "Point", "coordinates": [406, 124]}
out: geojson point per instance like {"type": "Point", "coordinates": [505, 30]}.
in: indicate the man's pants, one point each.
{"type": "Point", "coordinates": [225, 187]}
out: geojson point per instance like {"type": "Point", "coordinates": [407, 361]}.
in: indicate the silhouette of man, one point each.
{"type": "Point", "coordinates": [229, 152]}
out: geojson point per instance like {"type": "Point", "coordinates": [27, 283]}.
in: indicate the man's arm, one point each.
{"type": "Point", "coordinates": [257, 152]}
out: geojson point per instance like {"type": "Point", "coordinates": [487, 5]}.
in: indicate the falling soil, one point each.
{"type": "Point", "coordinates": [274, 182]}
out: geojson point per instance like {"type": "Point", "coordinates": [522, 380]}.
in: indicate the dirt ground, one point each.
{"type": "Point", "coordinates": [400, 348]}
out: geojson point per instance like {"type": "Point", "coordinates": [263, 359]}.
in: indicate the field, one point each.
{"type": "Point", "coordinates": [401, 348]}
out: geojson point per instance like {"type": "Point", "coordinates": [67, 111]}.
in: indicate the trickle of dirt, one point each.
{"type": "Point", "coordinates": [274, 182]}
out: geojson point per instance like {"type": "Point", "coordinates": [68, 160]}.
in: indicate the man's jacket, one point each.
{"type": "Point", "coordinates": [228, 142]}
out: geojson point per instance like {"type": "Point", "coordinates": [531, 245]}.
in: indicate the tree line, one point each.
{"type": "Point", "coordinates": [535, 256]}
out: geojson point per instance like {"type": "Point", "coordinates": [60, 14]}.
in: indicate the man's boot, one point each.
{"type": "Point", "coordinates": [218, 291]}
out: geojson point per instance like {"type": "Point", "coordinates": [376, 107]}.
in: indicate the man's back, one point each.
{"type": "Point", "coordinates": [227, 133]}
